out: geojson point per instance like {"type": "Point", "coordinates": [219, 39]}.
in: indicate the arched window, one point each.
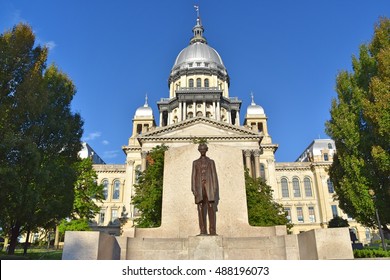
{"type": "Point", "coordinates": [330, 186]}
{"type": "Point", "coordinates": [199, 114]}
{"type": "Point", "coordinates": [198, 82]}
{"type": "Point", "coordinates": [262, 171]}
{"type": "Point", "coordinates": [190, 115]}
{"type": "Point", "coordinates": [296, 187]}
{"type": "Point", "coordinates": [191, 83]}
{"type": "Point", "coordinates": [105, 188]}
{"type": "Point", "coordinates": [307, 186]}
{"type": "Point", "coordinates": [116, 189]}
{"type": "Point", "coordinates": [284, 187]}
{"type": "Point", "coordinates": [206, 82]}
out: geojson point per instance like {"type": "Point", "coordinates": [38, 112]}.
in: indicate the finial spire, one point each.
{"type": "Point", "coordinates": [198, 29]}
{"type": "Point", "coordinates": [146, 100]}
{"type": "Point", "coordinates": [253, 99]}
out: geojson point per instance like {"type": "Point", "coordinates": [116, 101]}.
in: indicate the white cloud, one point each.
{"type": "Point", "coordinates": [110, 154]}
{"type": "Point", "coordinates": [50, 45]}
{"type": "Point", "coordinates": [105, 142]}
{"type": "Point", "coordinates": [92, 136]}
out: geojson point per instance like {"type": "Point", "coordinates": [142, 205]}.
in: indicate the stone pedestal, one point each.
{"type": "Point", "coordinates": [205, 248]}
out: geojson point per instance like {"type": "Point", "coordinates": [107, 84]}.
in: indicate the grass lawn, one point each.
{"type": "Point", "coordinates": [33, 254]}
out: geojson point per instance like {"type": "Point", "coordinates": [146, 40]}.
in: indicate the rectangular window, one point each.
{"type": "Point", "coordinates": [330, 186]}
{"type": "Point", "coordinates": [300, 214]}
{"type": "Point", "coordinates": [312, 215]}
{"type": "Point", "coordinates": [102, 215]}
{"type": "Point", "coordinates": [334, 211]}
{"type": "Point", "coordinates": [287, 210]}
{"type": "Point", "coordinates": [114, 215]}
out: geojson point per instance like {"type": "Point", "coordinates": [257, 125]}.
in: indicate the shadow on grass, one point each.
{"type": "Point", "coordinates": [33, 255]}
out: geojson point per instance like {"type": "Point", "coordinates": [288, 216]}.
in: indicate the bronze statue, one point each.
{"type": "Point", "coordinates": [206, 190]}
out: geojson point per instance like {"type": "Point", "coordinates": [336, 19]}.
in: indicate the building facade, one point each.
{"type": "Point", "coordinates": [199, 105]}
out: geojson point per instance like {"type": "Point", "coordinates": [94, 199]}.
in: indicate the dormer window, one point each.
{"type": "Point", "coordinates": [198, 64]}
{"type": "Point", "coordinates": [326, 157]}
{"type": "Point", "coordinates": [330, 146]}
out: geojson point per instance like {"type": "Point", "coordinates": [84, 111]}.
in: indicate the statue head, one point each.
{"type": "Point", "coordinates": [202, 148]}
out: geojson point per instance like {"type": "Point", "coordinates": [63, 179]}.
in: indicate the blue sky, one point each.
{"type": "Point", "coordinates": [287, 53]}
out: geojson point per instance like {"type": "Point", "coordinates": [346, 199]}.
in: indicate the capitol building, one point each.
{"type": "Point", "coordinates": [200, 105]}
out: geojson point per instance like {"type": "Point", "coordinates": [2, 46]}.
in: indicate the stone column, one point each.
{"type": "Point", "coordinates": [204, 108]}
{"type": "Point", "coordinates": [218, 113]}
{"type": "Point", "coordinates": [248, 164]}
{"type": "Point", "coordinates": [127, 193]}
{"type": "Point", "coordinates": [194, 109]}
{"type": "Point", "coordinates": [237, 118]}
{"type": "Point", "coordinates": [161, 118]}
{"type": "Point", "coordinates": [184, 110]}
{"type": "Point", "coordinates": [214, 110]}
{"type": "Point", "coordinates": [180, 118]}
{"type": "Point", "coordinates": [256, 154]}
{"type": "Point", "coordinates": [143, 160]}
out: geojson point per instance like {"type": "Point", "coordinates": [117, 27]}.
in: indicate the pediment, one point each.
{"type": "Point", "coordinates": [199, 127]}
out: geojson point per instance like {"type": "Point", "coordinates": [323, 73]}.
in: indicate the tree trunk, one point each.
{"type": "Point", "coordinates": [6, 244]}
{"type": "Point", "coordinates": [57, 238]}
{"type": "Point", "coordinates": [26, 243]}
{"type": "Point", "coordinates": [14, 238]}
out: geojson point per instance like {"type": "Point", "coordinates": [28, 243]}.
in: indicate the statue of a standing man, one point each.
{"type": "Point", "coordinates": [205, 189]}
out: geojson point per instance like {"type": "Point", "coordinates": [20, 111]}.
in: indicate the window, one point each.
{"type": "Point", "coordinates": [191, 83]}
{"type": "Point", "coordinates": [287, 210]}
{"type": "Point", "coordinates": [284, 187]}
{"type": "Point", "coordinates": [334, 211]}
{"type": "Point", "coordinates": [102, 215]}
{"type": "Point", "coordinates": [198, 82]}
{"type": "Point", "coordinates": [114, 215]}
{"type": "Point", "coordinates": [330, 146]}
{"type": "Point", "coordinates": [116, 191]}
{"type": "Point", "coordinates": [307, 185]}
{"type": "Point", "coordinates": [190, 115]}
{"type": "Point", "coordinates": [330, 186]}
{"type": "Point", "coordinates": [105, 189]}
{"type": "Point", "coordinates": [368, 234]}
{"type": "Point", "coordinates": [326, 157]}
{"type": "Point", "coordinates": [206, 82]}
{"type": "Point", "coordinates": [312, 215]}
{"type": "Point", "coordinates": [206, 64]}
{"type": "Point", "coordinates": [198, 64]}
{"type": "Point", "coordinates": [300, 214]}
{"type": "Point", "coordinates": [296, 187]}
{"type": "Point", "coordinates": [262, 171]}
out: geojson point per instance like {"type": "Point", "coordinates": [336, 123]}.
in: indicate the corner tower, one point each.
{"type": "Point", "coordinates": [199, 85]}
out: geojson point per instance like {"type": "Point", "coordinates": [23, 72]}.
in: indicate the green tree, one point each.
{"type": "Point", "coordinates": [86, 193]}
{"type": "Point", "coordinates": [39, 136]}
{"type": "Point", "coordinates": [337, 222]}
{"type": "Point", "coordinates": [148, 189]}
{"type": "Point", "coordinates": [360, 126]}
{"type": "Point", "coordinates": [262, 209]}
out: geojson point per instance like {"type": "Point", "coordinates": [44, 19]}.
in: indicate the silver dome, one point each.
{"type": "Point", "coordinates": [254, 109]}
{"type": "Point", "coordinates": [144, 111]}
{"type": "Point", "coordinates": [198, 53]}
